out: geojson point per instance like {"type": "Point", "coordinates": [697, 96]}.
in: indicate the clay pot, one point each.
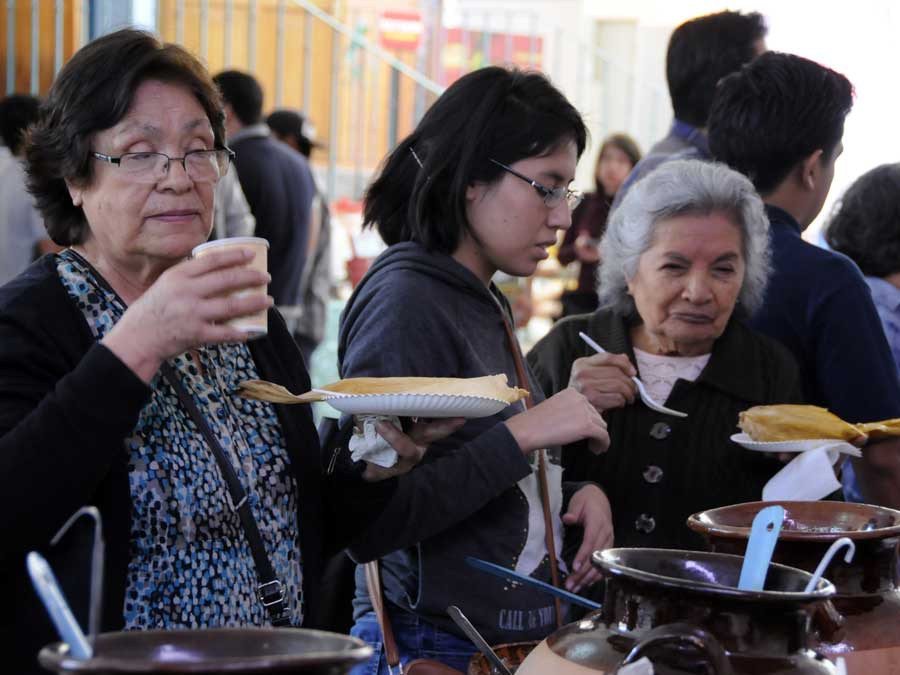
{"type": "Point", "coordinates": [683, 610]}
{"type": "Point", "coordinates": [865, 629]}
{"type": "Point", "coordinates": [233, 650]}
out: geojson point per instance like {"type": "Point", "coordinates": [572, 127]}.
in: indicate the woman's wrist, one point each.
{"type": "Point", "coordinates": [140, 361]}
{"type": "Point", "coordinates": [520, 431]}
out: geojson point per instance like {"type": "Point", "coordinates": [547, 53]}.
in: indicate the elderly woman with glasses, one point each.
{"type": "Point", "coordinates": [480, 186]}
{"type": "Point", "coordinates": [118, 374]}
{"type": "Point", "coordinates": [686, 259]}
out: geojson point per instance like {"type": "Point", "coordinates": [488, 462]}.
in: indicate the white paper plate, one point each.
{"type": "Point", "coordinates": [416, 405]}
{"type": "Point", "coordinates": [744, 440]}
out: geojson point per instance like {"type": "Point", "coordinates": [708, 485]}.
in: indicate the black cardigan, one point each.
{"type": "Point", "coordinates": [660, 469]}
{"type": "Point", "coordinates": [66, 404]}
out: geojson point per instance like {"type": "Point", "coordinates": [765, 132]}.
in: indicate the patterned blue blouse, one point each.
{"type": "Point", "coordinates": [190, 564]}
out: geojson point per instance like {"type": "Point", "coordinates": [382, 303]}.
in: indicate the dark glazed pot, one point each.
{"type": "Point", "coordinates": [220, 650]}
{"type": "Point", "coordinates": [683, 611]}
{"type": "Point", "coordinates": [867, 632]}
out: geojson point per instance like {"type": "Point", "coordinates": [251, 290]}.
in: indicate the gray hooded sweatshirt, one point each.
{"type": "Point", "coordinates": [475, 493]}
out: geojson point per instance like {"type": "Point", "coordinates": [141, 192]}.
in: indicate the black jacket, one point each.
{"type": "Point", "coordinates": [66, 404]}
{"type": "Point", "coordinates": [660, 469]}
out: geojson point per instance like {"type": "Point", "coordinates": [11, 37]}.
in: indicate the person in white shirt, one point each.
{"type": "Point", "coordinates": [22, 233]}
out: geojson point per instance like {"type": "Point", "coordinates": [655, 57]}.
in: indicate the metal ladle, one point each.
{"type": "Point", "coordinates": [466, 627]}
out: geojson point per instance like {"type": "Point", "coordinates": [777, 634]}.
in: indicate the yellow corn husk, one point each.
{"type": "Point", "coordinates": [490, 386]}
{"type": "Point", "coordinates": [881, 429]}
{"type": "Point", "coordinates": [766, 423]}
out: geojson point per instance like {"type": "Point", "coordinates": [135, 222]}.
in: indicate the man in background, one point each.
{"type": "Point", "coordinates": [780, 122]}
{"type": "Point", "coordinates": [22, 233]}
{"type": "Point", "coordinates": [701, 52]}
{"type": "Point", "coordinates": [276, 181]}
{"type": "Point", "coordinates": [308, 326]}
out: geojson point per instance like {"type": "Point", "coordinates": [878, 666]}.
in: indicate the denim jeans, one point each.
{"type": "Point", "coordinates": [416, 639]}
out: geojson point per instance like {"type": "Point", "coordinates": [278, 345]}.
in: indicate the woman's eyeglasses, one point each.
{"type": "Point", "coordinates": [201, 166]}
{"type": "Point", "coordinates": [552, 196]}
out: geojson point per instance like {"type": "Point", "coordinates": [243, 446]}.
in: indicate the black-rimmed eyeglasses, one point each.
{"type": "Point", "coordinates": [201, 166]}
{"type": "Point", "coordinates": [553, 197]}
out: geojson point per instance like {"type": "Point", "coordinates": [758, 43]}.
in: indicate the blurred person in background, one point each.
{"type": "Point", "coordinates": [780, 122]}
{"type": "Point", "coordinates": [276, 181]}
{"type": "Point", "coordinates": [701, 52]}
{"type": "Point", "coordinates": [618, 155]}
{"type": "Point", "coordinates": [308, 325]}
{"type": "Point", "coordinates": [865, 226]}
{"type": "Point", "coordinates": [232, 217]}
{"type": "Point", "coordinates": [22, 233]}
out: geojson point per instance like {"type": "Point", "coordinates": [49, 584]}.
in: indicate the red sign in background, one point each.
{"type": "Point", "coordinates": [464, 52]}
{"type": "Point", "coordinates": [400, 30]}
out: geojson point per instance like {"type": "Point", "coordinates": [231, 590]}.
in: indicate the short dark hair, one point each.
{"type": "Point", "coordinates": [17, 112]}
{"type": "Point", "coordinates": [290, 124]}
{"type": "Point", "coordinates": [491, 113]}
{"type": "Point", "coordinates": [775, 112]}
{"type": "Point", "coordinates": [865, 222]}
{"type": "Point", "coordinates": [242, 92]}
{"type": "Point", "coordinates": [704, 50]}
{"type": "Point", "coordinates": [623, 142]}
{"type": "Point", "coordinates": [93, 92]}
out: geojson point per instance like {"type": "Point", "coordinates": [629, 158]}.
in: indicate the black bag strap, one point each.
{"type": "Point", "coordinates": [270, 590]}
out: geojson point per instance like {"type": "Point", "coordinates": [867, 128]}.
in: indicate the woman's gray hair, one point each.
{"type": "Point", "coordinates": [683, 187]}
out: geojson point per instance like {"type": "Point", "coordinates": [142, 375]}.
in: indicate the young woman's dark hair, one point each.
{"type": "Point", "coordinates": [243, 93]}
{"type": "Point", "coordinates": [704, 50]}
{"type": "Point", "coordinates": [775, 112]}
{"type": "Point", "coordinates": [491, 113]}
{"type": "Point", "coordinates": [93, 92]}
{"type": "Point", "coordinates": [865, 223]}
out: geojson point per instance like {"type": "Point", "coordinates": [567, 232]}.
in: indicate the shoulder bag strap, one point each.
{"type": "Point", "coordinates": [542, 467]}
{"type": "Point", "coordinates": [373, 582]}
{"type": "Point", "coordinates": [270, 590]}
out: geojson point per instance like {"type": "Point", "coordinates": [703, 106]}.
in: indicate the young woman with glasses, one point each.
{"type": "Point", "coordinates": [480, 186]}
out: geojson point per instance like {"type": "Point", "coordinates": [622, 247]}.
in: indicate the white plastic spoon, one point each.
{"type": "Point", "coordinates": [645, 397]}
{"type": "Point", "coordinates": [826, 559]}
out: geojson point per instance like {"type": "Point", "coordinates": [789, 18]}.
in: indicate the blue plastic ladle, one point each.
{"type": "Point", "coordinates": [763, 537]}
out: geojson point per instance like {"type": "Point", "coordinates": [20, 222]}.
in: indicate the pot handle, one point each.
{"type": "Point", "coordinates": [828, 621]}
{"type": "Point", "coordinates": [683, 633]}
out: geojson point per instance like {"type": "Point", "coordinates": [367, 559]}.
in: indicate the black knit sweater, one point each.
{"type": "Point", "coordinates": [660, 469]}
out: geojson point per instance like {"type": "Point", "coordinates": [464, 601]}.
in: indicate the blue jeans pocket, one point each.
{"type": "Point", "coordinates": [368, 631]}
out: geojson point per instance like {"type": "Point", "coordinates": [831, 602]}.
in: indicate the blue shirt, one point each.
{"type": "Point", "coordinates": [819, 306]}
{"type": "Point", "coordinates": [683, 142]}
{"type": "Point", "coordinates": [887, 302]}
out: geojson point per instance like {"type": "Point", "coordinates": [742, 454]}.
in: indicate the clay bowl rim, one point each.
{"type": "Point", "coordinates": [825, 589]}
{"type": "Point", "coordinates": [55, 656]}
{"type": "Point", "coordinates": [702, 527]}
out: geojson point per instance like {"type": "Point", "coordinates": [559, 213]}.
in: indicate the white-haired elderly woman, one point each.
{"type": "Point", "coordinates": [685, 257]}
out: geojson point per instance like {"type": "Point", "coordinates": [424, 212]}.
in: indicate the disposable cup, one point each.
{"type": "Point", "coordinates": [255, 325]}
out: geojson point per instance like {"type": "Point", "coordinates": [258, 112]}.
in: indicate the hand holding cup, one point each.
{"type": "Point", "coordinates": [188, 306]}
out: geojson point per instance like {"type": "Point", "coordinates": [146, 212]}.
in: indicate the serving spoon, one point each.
{"type": "Point", "coordinates": [472, 633]}
{"type": "Point", "coordinates": [645, 396]}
